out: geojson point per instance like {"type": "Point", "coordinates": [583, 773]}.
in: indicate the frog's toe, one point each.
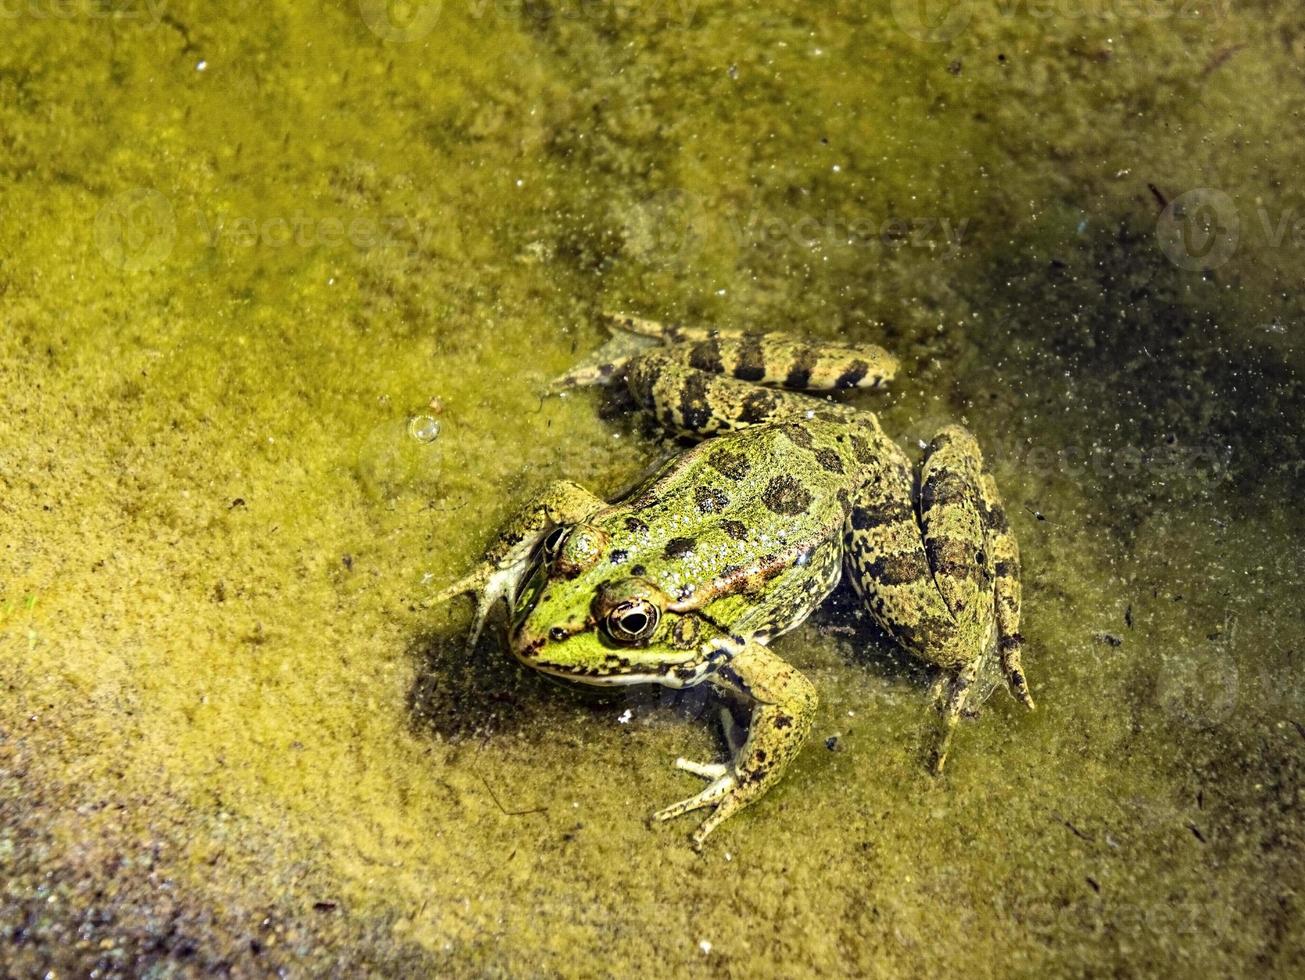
{"type": "Point", "coordinates": [707, 770]}
{"type": "Point", "coordinates": [473, 583]}
{"type": "Point", "coordinates": [722, 783]}
{"type": "Point", "coordinates": [489, 585]}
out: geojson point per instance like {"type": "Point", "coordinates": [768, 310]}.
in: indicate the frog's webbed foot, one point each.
{"type": "Point", "coordinates": [498, 577]}
{"type": "Point", "coordinates": [952, 696]}
{"type": "Point", "coordinates": [785, 704]}
{"type": "Point", "coordinates": [489, 584]}
{"type": "Point", "coordinates": [721, 782]}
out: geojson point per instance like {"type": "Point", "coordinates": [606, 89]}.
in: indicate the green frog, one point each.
{"type": "Point", "coordinates": [688, 579]}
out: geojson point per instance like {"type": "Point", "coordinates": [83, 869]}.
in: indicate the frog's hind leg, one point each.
{"type": "Point", "coordinates": [1005, 553]}
{"type": "Point", "coordinates": [890, 569]}
{"type": "Point", "coordinates": [923, 557]}
{"type": "Point", "coordinates": [499, 574]}
{"type": "Point", "coordinates": [771, 359]}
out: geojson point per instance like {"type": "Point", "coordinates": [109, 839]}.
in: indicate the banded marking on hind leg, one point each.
{"type": "Point", "coordinates": [771, 359]}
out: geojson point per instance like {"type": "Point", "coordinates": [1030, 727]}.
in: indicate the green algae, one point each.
{"type": "Point", "coordinates": [239, 253]}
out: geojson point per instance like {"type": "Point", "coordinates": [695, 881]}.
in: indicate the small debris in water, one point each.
{"type": "Point", "coordinates": [1110, 639]}
{"type": "Point", "coordinates": [705, 946]}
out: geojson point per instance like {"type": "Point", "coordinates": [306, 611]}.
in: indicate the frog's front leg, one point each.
{"type": "Point", "coordinates": [560, 504]}
{"type": "Point", "coordinates": [784, 709]}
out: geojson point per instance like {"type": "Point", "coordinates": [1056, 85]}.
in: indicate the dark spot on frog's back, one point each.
{"type": "Point", "coordinates": [829, 460]}
{"type": "Point", "coordinates": [678, 547]}
{"type": "Point", "coordinates": [729, 463]}
{"type": "Point", "coordinates": [710, 500]}
{"type": "Point", "coordinates": [786, 495]}
{"type": "Point", "coordinates": [635, 526]}
{"type": "Point", "coordinates": [797, 434]}
{"type": "Point", "coordinates": [735, 529]}
{"type": "Point", "coordinates": [619, 555]}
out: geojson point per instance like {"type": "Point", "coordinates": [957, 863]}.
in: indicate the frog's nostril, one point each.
{"type": "Point", "coordinates": [557, 634]}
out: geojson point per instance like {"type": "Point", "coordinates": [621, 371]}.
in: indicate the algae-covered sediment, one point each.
{"type": "Point", "coordinates": [240, 249]}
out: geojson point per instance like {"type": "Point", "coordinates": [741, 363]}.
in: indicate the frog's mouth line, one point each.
{"type": "Point", "coordinates": [670, 678]}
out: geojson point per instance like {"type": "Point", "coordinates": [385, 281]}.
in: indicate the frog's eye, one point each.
{"type": "Point", "coordinates": [632, 621]}
{"type": "Point", "coordinates": [553, 543]}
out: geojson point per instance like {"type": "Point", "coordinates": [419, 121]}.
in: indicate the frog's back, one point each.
{"type": "Point", "coordinates": [740, 513]}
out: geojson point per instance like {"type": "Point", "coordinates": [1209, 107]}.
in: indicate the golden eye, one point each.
{"type": "Point", "coordinates": [553, 543]}
{"type": "Point", "coordinates": [632, 621]}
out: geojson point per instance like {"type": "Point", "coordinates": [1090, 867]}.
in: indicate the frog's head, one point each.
{"type": "Point", "coordinates": [578, 616]}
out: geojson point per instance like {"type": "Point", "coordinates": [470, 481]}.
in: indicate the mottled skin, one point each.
{"type": "Point", "coordinates": [735, 541]}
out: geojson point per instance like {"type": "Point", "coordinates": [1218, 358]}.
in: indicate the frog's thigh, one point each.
{"type": "Point", "coordinates": [784, 709]}
{"type": "Point", "coordinates": [951, 525]}
{"type": "Point", "coordinates": [697, 403]}
{"type": "Point", "coordinates": [974, 555]}
{"type": "Point", "coordinates": [888, 566]}
{"type": "Point", "coordinates": [768, 358]}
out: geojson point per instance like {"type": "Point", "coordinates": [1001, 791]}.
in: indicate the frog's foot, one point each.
{"type": "Point", "coordinates": [604, 365]}
{"type": "Point", "coordinates": [953, 694]}
{"type": "Point", "coordinates": [784, 708]}
{"type": "Point", "coordinates": [489, 584]}
{"type": "Point", "coordinates": [498, 577]}
{"type": "Point", "coordinates": [721, 781]}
